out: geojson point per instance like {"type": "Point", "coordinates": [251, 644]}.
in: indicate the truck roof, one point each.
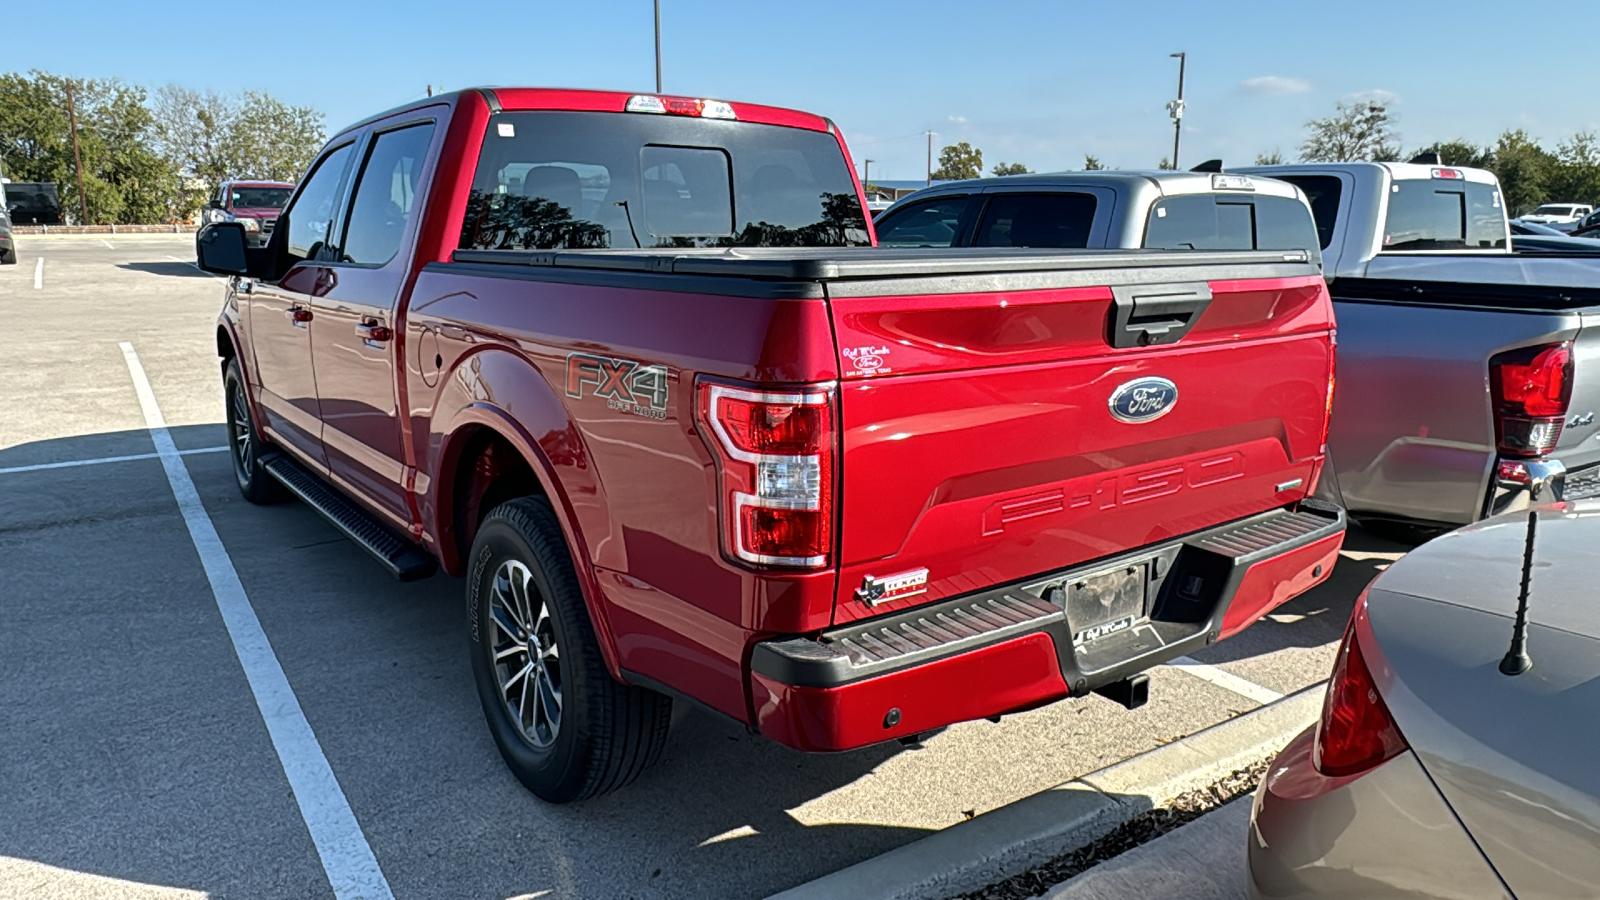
{"type": "Point", "coordinates": [254, 182]}
{"type": "Point", "coordinates": [1397, 170]}
{"type": "Point", "coordinates": [526, 99]}
{"type": "Point", "coordinates": [1167, 182]}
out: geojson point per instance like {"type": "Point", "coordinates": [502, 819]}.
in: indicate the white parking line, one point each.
{"type": "Point", "coordinates": [347, 858]}
{"type": "Point", "coordinates": [38, 274]}
{"type": "Point", "coordinates": [40, 467]}
{"type": "Point", "coordinates": [1225, 679]}
{"type": "Point", "coordinates": [108, 244]}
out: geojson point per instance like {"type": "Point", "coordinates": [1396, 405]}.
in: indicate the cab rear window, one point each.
{"type": "Point", "coordinates": [1440, 214]}
{"type": "Point", "coordinates": [1231, 222]}
{"type": "Point", "coordinates": [581, 180]}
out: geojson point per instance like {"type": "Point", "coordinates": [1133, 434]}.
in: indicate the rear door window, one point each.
{"type": "Point", "coordinates": [1231, 222]}
{"type": "Point", "coordinates": [1443, 214]}
{"type": "Point", "coordinates": [937, 222]}
{"type": "Point", "coordinates": [1056, 220]}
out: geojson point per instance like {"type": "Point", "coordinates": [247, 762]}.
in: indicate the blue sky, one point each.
{"type": "Point", "coordinates": [1041, 83]}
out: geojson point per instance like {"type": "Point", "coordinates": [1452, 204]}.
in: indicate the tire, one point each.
{"type": "Point", "coordinates": [245, 443]}
{"type": "Point", "coordinates": [8, 257]}
{"type": "Point", "coordinates": [603, 733]}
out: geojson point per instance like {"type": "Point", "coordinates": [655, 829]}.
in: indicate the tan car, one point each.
{"type": "Point", "coordinates": [1457, 752]}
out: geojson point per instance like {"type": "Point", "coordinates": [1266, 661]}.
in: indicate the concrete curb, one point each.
{"type": "Point", "coordinates": [1003, 842]}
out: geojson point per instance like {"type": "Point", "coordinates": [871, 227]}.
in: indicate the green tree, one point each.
{"type": "Point", "coordinates": [1165, 165]}
{"type": "Point", "coordinates": [1575, 176]}
{"type": "Point", "coordinates": [1459, 152]}
{"type": "Point", "coordinates": [272, 139]}
{"type": "Point", "coordinates": [1362, 132]}
{"type": "Point", "coordinates": [124, 180]}
{"type": "Point", "coordinates": [1273, 157]}
{"type": "Point", "coordinates": [1524, 169]}
{"type": "Point", "coordinates": [1006, 168]}
{"type": "Point", "coordinates": [1092, 163]}
{"type": "Point", "coordinates": [959, 161]}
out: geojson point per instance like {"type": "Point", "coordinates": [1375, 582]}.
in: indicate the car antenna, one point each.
{"type": "Point", "coordinates": [1517, 660]}
{"type": "Point", "coordinates": [1431, 158]}
{"type": "Point", "coordinates": [629, 213]}
{"type": "Point", "coordinates": [1210, 165]}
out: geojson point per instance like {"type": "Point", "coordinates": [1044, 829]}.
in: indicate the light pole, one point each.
{"type": "Point", "coordinates": [1175, 109]}
{"type": "Point", "coordinates": [866, 173]}
{"type": "Point", "coordinates": [930, 135]}
{"type": "Point", "coordinates": [658, 46]}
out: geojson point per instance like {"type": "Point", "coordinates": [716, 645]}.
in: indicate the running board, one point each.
{"type": "Point", "coordinates": [404, 560]}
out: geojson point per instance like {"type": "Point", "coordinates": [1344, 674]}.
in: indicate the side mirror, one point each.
{"type": "Point", "coordinates": [220, 247]}
{"type": "Point", "coordinates": [213, 204]}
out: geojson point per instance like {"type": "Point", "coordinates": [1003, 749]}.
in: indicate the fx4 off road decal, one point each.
{"type": "Point", "coordinates": [627, 385]}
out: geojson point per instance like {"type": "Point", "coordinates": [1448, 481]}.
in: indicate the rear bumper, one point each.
{"type": "Point", "coordinates": [1011, 648]}
{"type": "Point", "coordinates": [1516, 484]}
{"type": "Point", "coordinates": [1383, 833]}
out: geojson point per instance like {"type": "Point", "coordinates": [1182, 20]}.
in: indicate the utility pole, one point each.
{"type": "Point", "coordinates": [77, 158]}
{"type": "Point", "coordinates": [866, 173]}
{"type": "Point", "coordinates": [430, 90]}
{"type": "Point", "coordinates": [930, 135]}
{"type": "Point", "coordinates": [1175, 109]}
{"type": "Point", "coordinates": [658, 46]}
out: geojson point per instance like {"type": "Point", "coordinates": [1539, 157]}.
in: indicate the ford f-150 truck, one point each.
{"type": "Point", "coordinates": [629, 365]}
{"type": "Point", "coordinates": [253, 204]}
{"type": "Point", "coordinates": [1469, 375]}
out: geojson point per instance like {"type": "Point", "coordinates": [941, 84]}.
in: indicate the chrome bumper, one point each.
{"type": "Point", "coordinates": [1520, 483]}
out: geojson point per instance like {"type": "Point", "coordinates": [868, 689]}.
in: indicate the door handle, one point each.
{"type": "Point", "coordinates": [299, 315]}
{"type": "Point", "coordinates": [374, 332]}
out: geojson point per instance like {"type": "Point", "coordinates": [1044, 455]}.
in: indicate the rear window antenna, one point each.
{"type": "Point", "coordinates": [1517, 660]}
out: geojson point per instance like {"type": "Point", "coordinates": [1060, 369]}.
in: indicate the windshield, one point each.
{"type": "Point", "coordinates": [259, 197]}
{"type": "Point", "coordinates": [1439, 214]}
{"type": "Point", "coordinates": [581, 180]}
{"type": "Point", "coordinates": [1553, 211]}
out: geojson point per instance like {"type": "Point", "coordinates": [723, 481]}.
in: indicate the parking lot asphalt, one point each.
{"type": "Point", "coordinates": [136, 761]}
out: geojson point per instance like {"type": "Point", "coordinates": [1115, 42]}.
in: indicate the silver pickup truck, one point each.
{"type": "Point", "coordinates": [1469, 375]}
{"type": "Point", "coordinates": [1104, 210]}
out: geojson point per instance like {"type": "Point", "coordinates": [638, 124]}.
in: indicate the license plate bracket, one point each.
{"type": "Point", "coordinates": [1106, 602]}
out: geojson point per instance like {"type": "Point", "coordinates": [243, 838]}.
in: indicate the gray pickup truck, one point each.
{"type": "Point", "coordinates": [1469, 375]}
{"type": "Point", "coordinates": [1104, 210]}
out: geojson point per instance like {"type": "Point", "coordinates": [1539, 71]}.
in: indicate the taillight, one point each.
{"type": "Point", "coordinates": [1356, 732]}
{"type": "Point", "coordinates": [1531, 389]}
{"type": "Point", "coordinates": [680, 106]}
{"type": "Point", "coordinates": [775, 472]}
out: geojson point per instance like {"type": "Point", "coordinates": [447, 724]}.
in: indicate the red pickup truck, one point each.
{"type": "Point", "coordinates": [630, 366]}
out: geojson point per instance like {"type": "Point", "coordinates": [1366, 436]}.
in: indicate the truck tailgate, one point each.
{"type": "Point", "coordinates": [993, 434]}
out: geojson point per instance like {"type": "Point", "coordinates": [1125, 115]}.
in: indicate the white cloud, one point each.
{"type": "Point", "coordinates": [1376, 95]}
{"type": "Point", "coordinates": [959, 120]}
{"type": "Point", "coordinates": [1273, 85]}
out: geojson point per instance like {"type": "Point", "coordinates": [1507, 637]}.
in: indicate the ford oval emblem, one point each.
{"type": "Point", "coordinates": [1143, 400]}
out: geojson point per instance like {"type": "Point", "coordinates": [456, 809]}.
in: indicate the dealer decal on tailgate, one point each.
{"type": "Point", "coordinates": [627, 385]}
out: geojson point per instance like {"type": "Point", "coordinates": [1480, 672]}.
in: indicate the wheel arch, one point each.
{"type": "Point", "coordinates": [487, 455]}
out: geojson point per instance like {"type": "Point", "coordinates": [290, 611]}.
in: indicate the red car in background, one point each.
{"type": "Point", "coordinates": [253, 204]}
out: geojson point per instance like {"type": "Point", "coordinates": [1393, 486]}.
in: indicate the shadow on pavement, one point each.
{"type": "Point", "coordinates": [177, 269]}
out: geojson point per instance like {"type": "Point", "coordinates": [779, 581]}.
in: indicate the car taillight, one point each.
{"type": "Point", "coordinates": [775, 472]}
{"type": "Point", "coordinates": [1531, 388]}
{"type": "Point", "coordinates": [1356, 732]}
